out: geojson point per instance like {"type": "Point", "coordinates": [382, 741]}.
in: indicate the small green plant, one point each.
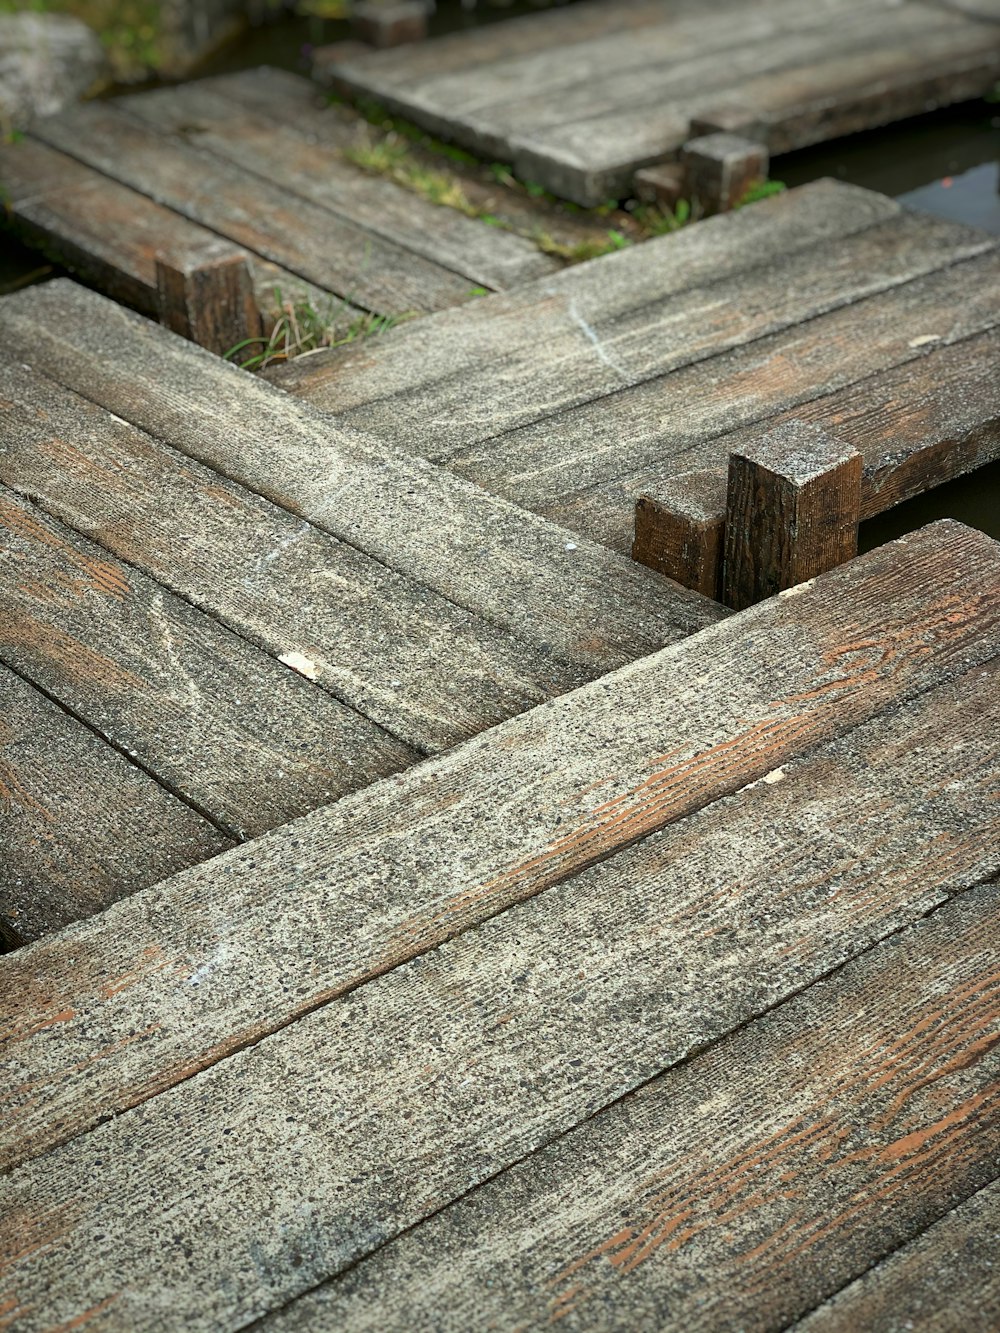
{"type": "Point", "coordinates": [581, 251]}
{"type": "Point", "coordinates": [392, 158]}
{"type": "Point", "coordinates": [299, 327]}
{"type": "Point", "coordinates": [758, 190]}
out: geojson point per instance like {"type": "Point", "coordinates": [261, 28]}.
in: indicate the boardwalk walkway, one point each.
{"type": "Point", "coordinates": [579, 98]}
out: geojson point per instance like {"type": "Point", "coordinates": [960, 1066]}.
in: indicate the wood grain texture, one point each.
{"type": "Point", "coordinates": [236, 734]}
{"type": "Point", "coordinates": [456, 1066]}
{"type": "Point", "coordinates": [947, 1278]}
{"type": "Point", "coordinates": [558, 353]}
{"type": "Point", "coordinates": [739, 1190]}
{"type": "Point", "coordinates": [110, 235]}
{"type": "Point", "coordinates": [81, 826]}
{"type": "Point", "coordinates": [792, 507]}
{"type": "Point", "coordinates": [300, 162]}
{"type": "Point", "coordinates": [325, 249]}
{"type": "Point", "coordinates": [209, 297]}
{"type": "Point", "coordinates": [565, 595]}
{"type": "Point", "coordinates": [680, 526]}
{"type": "Point", "coordinates": [694, 417]}
{"type": "Point", "coordinates": [427, 671]}
{"type": "Point", "coordinates": [223, 955]}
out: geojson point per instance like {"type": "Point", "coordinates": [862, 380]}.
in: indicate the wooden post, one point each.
{"type": "Point", "coordinates": [389, 24]}
{"type": "Point", "coordinates": [662, 184]}
{"type": "Point", "coordinates": [207, 295]}
{"type": "Point", "coordinates": [720, 168]}
{"type": "Point", "coordinates": [679, 527]}
{"type": "Point", "coordinates": [792, 510]}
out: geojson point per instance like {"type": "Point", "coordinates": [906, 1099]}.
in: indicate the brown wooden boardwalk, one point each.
{"type": "Point", "coordinates": [639, 374]}
{"type": "Point", "coordinates": [108, 187]}
{"type": "Point", "coordinates": [671, 1003]}
{"type": "Point", "coordinates": [578, 98]}
{"type": "Point", "coordinates": [258, 611]}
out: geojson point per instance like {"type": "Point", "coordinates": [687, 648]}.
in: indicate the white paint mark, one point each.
{"type": "Point", "coordinates": [220, 956]}
{"type": "Point", "coordinates": [799, 587]}
{"type": "Point", "coordinates": [571, 546]}
{"type": "Point", "coordinates": [924, 339]}
{"type": "Point", "coordinates": [265, 561]}
{"type": "Point", "coordinates": [595, 341]}
{"type": "Point", "coordinates": [194, 693]}
{"type": "Point", "coordinates": [298, 662]}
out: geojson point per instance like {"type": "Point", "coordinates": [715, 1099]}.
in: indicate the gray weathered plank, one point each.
{"type": "Point", "coordinates": [111, 234]}
{"type": "Point", "coordinates": [739, 1190]}
{"type": "Point", "coordinates": [221, 956]}
{"type": "Point", "coordinates": [458, 1065]}
{"type": "Point", "coordinates": [238, 736]}
{"type": "Point", "coordinates": [948, 1278]}
{"type": "Point", "coordinates": [300, 162]}
{"type": "Point", "coordinates": [80, 826]}
{"type": "Point", "coordinates": [324, 248]}
{"type": "Point", "coordinates": [416, 664]}
{"type": "Point", "coordinates": [549, 354]}
{"type": "Point", "coordinates": [678, 422]}
{"type": "Point", "coordinates": [542, 582]}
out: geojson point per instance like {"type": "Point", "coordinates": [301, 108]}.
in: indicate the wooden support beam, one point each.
{"type": "Point", "coordinates": [660, 184]}
{"type": "Point", "coordinates": [388, 24]}
{"type": "Point", "coordinates": [792, 511]}
{"type": "Point", "coordinates": [730, 118]}
{"type": "Point", "coordinates": [679, 529]}
{"type": "Point", "coordinates": [720, 168]}
{"type": "Point", "coordinates": [207, 295]}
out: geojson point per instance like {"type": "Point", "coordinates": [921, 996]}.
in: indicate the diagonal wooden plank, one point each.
{"type": "Point", "coordinates": [453, 1068]}
{"type": "Point", "coordinates": [233, 951]}
{"type": "Point", "coordinates": [80, 826]}
{"type": "Point", "coordinates": [424, 669]}
{"type": "Point", "coordinates": [739, 1190]}
{"type": "Point", "coordinates": [300, 162]}
{"type": "Point", "coordinates": [324, 248]}
{"type": "Point", "coordinates": [110, 234]}
{"type": "Point", "coordinates": [543, 583]}
{"type": "Point", "coordinates": [586, 466]}
{"type": "Point", "coordinates": [946, 1278]}
{"type": "Point", "coordinates": [550, 353]}
{"type": "Point", "coordinates": [238, 736]}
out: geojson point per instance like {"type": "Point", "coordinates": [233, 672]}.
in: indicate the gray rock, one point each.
{"type": "Point", "coordinates": [46, 61]}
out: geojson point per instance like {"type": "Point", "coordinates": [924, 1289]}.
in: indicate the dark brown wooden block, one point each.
{"type": "Point", "coordinates": [385, 25]}
{"type": "Point", "coordinates": [720, 168]}
{"type": "Point", "coordinates": [662, 184]}
{"type": "Point", "coordinates": [792, 511]}
{"type": "Point", "coordinates": [680, 527]}
{"type": "Point", "coordinates": [207, 295]}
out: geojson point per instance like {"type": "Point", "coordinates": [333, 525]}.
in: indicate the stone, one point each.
{"type": "Point", "coordinates": [46, 62]}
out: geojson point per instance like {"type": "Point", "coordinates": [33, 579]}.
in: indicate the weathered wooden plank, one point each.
{"type": "Point", "coordinates": [426, 670]}
{"type": "Point", "coordinates": [208, 296]}
{"type": "Point", "coordinates": [947, 1278]}
{"type": "Point", "coordinates": [619, 445]}
{"type": "Point", "coordinates": [739, 1190]}
{"type": "Point", "coordinates": [451, 1069]}
{"type": "Point", "coordinates": [233, 951]}
{"type": "Point", "coordinates": [916, 427]}
{"type": "Point", "coordinates": [81, 826]}
{"type": "Point", "coordinates": [544, 583]}
{"type": "Point", "coordinates": [324, 248]}
{"type": "Point", "coordinates": [238, 736]}
{"type": "Point", "coordinates": [410, 387]}
{"type": "Point", "coordinates": [300, 162]}
{"type": "Point", "coordinates": [110, 234]}
{"type": "Point", "coordinates": [792, 510]}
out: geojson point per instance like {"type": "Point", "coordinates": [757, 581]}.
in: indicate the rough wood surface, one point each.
{"type": "Point", "coordinates": [542, 345]}
{"type": "Point", "coordinates": [741, 1189]}
{"type": "Point", "coordinates": [80, 825]}
{"type": "Point", "coordinates": [299, 161]}
{"type": "Point", "coordinates": [948, 1278]}
{"type": "Point", "coordinates": [680, 526]}
{"type": "Point", "coordinates": [679, 420]}
{"type": "Point", "coordinates": [792, 511]}
{"type": "Point", "coordinates": [424, 669]}
{"type": "Point", "coordinates": [221, 956]}
{"type": "Point", "coordinates": [458, 1065]}
{"type": "Point", "coordinates": [547, 585]}
{"type": "Point", "coordinates": [324, 248]}
{"type": "Point", "coordinates": [110, 234]}
{"type": "Point", "coordinates": [580, 108]}
{"type": "Point", "coordinates": [234, 733]}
